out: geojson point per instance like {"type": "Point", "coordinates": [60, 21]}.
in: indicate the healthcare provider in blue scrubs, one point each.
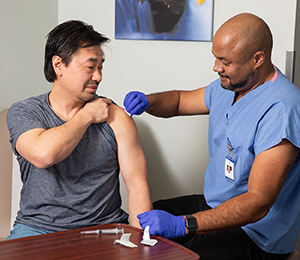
{"type": "Point", "coordinates": [251, 203]}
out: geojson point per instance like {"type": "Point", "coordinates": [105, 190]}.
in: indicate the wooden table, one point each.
{"type": "Point", "coordinates": [73, 245]}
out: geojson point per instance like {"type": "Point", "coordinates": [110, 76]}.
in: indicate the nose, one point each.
{"type": "Point", "coordinates": [97, 75]}
{"type": "Point", "coordinates": [218, 67]}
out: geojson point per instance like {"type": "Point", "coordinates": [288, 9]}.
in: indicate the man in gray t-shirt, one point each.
{"type": "Point", "coordinates": [71, 143]}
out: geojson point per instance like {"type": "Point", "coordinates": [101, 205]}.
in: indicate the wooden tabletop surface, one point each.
{"type": "Point", "coordinates": [72, 244]}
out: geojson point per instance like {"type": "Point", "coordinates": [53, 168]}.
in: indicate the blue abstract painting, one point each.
{"type": "Point", "coordinates": [183, 20]}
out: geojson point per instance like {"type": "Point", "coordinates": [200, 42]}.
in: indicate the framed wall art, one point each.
{"type": "Point", "coordinates": [182, 20]}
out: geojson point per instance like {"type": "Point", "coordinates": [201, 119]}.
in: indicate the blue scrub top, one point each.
{"type": "Point", "coordinates": [238, 133]}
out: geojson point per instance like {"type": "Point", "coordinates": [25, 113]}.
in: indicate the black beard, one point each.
{"type": "Point", "coordinates": [239, 85]}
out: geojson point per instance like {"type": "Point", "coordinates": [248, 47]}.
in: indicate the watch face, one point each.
{"type": "Point", "coordinates": [190, 222]}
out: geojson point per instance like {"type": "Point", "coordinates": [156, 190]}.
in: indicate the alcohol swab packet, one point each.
{"type": "Point", "coordinates": [146, 238]}
{"type": "Point", "coordinates": [124, 240]}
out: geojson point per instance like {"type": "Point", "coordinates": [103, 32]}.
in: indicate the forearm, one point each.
{"type": "Point", "coordinates": [175, 103]}
{"type": "Point", "coordinates": [164, 104]}
{"type": "Point", "coordinates": [139, 201]}
{"type": "Point", "coordinates": [55, 144]}
{"type": "Point", "coordinates": [233, 213]}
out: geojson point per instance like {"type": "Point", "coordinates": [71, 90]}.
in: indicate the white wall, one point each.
{"type": "Point", "coordinates": [23, 27]}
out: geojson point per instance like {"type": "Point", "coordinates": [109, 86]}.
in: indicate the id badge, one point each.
{"type": "Point", "coordinates": [229, 167]}
{"type": "Point", "coordinates": [229, 162]}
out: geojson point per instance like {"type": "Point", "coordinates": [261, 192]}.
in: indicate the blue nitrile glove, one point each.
{"type": "Point", "coordinates": [135, 102]}
{"type": "Point", "coordinates": [162, 223]}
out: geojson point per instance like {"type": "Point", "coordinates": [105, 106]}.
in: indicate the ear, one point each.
{"type": "Point", "coordinates": [57, 65]}
{"type": "Point", "coordinates": [259, 58]}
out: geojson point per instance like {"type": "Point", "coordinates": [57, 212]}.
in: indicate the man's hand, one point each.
{"type": "Point", "coordinates": [98, 109]}
{"type": "Point", "coordinates": [135, 103]}
{"type": "Point", "coordinates": [162, 223]}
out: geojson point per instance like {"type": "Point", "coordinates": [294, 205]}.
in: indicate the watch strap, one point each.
{"type": "Point", "coordinates": [191, 224]}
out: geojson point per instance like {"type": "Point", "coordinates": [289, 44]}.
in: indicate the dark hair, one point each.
{"type": "Point", "coordinates": [65, 40]}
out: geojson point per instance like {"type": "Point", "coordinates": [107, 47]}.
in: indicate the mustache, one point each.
{"type": "Point", "coordinates": [223, 75]}
{"type": "Point", "coordinates": [91, 83]}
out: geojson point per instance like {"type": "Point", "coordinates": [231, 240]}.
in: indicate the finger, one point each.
{"type": "Point", "coordinates": [107, 101]}
{"type": "Point", "coordinates": [144, 219]}
{"type": "Point", "coordinates": [149, 223]}
{"type": "Point", "coordinates": [144, 216]}
{"type": "Point", "coordinates": [131, 107]}
{"type": "Point", "coordinates": [153, 230]}
{"type": "Point", "coordinates": [139, 109]}
{"type": "Point", "coordinates": [128, 98]}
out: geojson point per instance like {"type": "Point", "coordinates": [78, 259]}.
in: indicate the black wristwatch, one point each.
{"type": "Point", "coordinates": [191, 224]}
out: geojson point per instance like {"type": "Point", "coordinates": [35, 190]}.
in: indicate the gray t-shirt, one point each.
{"type": "Point", "coordinates": [82, 190]}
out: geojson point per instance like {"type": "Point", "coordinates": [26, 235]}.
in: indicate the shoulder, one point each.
{"type": "Point", "coordinates": [32, 105]}
{"type": "Point", "coordinates": [120, 121]}
{"type": "Point", "coordinates": [287, 91]}
{"type": "Point", "coordinates": [214, 94]}
{"type": "Point", "coordinates": [31, 102]}
{"type": "Point", "coordinates": [30, 113]}
{"type": "Point", "coordinates": [117, 113]}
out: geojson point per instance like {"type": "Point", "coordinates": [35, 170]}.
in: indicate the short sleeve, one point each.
{"type": "Point", "coordinates": [277, 124]}
{"type": "Point", "coordinates": [209, 93]}
{"type": "Point", "coordinates": [21, 118]}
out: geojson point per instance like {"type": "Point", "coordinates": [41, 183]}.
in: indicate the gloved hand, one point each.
{"type": "Point", "coordinates": [135, 102]}
{"type": "Point", "coordinates": [162, 223]}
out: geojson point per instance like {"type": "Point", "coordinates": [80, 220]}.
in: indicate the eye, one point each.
{"type": "Point", "coordinates": [226, 62]}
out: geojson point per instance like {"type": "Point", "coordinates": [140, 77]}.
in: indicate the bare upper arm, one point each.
{"type": "Point", "coordinates": [130, 153]}
{"type": "Point", "coordinates": [192, 102]}
{"type": "Point", "coordinates": [270, 169]}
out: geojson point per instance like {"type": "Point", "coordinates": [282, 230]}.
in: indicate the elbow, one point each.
{"type": "Point", "coordinates": [259, 204]}
{"type": "Point", "coordinates": [43, 160]}
{"type": "Point", "coordinates": [259, 216]}
{"type": "Point", "coordinates": [41, 166]}
{"type": "Point", "coordinates": [260, 213]}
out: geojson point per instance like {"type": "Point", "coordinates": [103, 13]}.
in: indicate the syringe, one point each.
{"type": "Point", "coordinates": [103, 231]}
